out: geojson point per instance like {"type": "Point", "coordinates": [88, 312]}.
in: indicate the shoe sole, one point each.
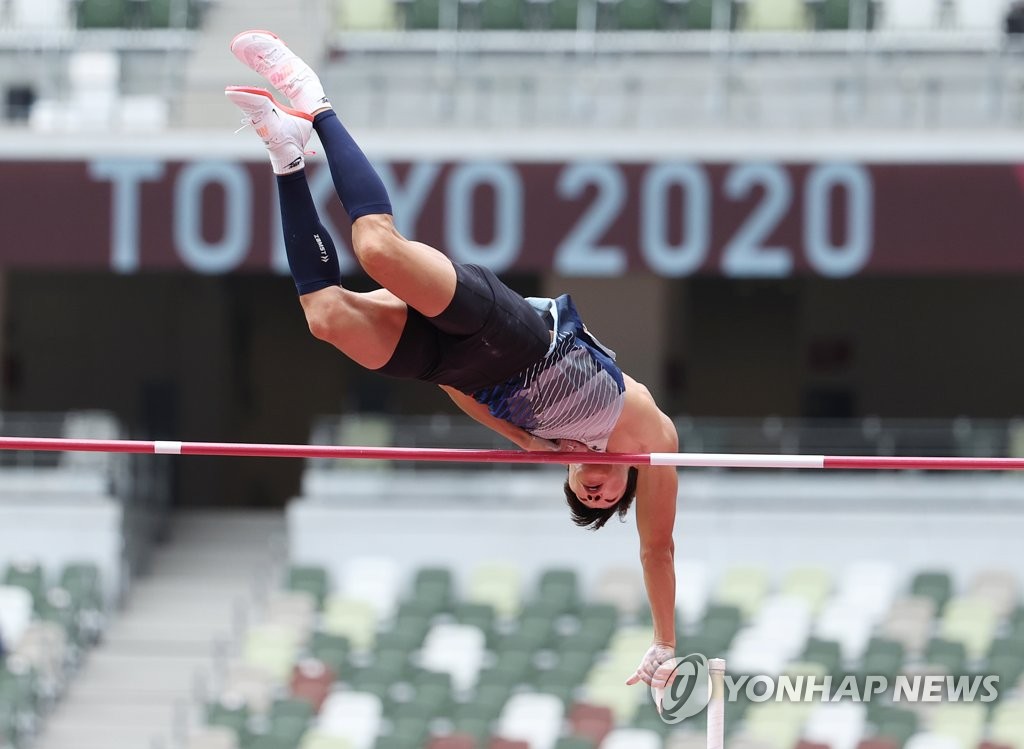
{"type": "Point", "coordinates": [263, 92]}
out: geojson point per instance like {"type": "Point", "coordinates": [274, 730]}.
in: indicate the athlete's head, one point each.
{"type": "Point", "coordinates": [596, 492]}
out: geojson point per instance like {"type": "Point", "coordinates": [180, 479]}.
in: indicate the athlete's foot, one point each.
{"type": "Point", "coordinates": [284, 131]}
{"type": "Point", "coordinates": [265, 53]}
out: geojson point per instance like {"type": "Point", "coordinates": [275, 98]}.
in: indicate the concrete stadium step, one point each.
{"type": "Point", "coordinates": [139, 685]}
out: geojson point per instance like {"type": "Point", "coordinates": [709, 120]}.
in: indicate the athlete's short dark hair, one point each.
{"type": "Point", "coordinates": [594, 518]}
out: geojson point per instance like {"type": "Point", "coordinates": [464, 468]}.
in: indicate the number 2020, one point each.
{"type": "Point", "coordinates": [746, 253]}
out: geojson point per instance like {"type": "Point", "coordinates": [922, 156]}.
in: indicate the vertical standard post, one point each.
{"type": "Point", "coordinates": [716, 707]}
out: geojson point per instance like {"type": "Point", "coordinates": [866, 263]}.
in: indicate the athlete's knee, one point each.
{"type": "Point", "coordinates": [376, 243]}
{"type": "Point", "coordinates": [324, 314]}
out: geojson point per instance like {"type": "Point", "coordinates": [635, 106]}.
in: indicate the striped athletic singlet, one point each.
{"type": "Point", "coordinates": [575, 392]}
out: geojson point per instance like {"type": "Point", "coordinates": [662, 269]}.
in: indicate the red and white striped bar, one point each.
{"type": "Point", "coordinates": [679, 460]}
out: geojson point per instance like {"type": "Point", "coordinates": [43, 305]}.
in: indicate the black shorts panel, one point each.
{"type": "Point", "coordinates": [487, 334]}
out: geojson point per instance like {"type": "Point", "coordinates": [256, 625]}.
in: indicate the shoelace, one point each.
{"type": "Point", "coordinates": [246, 122]}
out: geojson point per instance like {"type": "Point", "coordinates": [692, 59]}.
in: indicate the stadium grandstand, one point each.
{"type": "Point", "coordinates": [797, 222]}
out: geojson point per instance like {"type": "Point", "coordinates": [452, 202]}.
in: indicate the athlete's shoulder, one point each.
{"type": "Point", "coordinates": [643, 422]}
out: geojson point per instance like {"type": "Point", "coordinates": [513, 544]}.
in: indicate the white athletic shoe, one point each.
{"type": "Point", "coordinates": [284, 131]}
{"type": "Point", "coordinates": [265, 53]}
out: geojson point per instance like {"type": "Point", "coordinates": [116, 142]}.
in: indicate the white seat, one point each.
{"type": "Point", "coordinates": [981, 15]}
{"type": "Point", "coordinates": [870, 586]}
{"type": "Point", "coordinates": [932, 741]}
{"type": "Point", "coordinates": [631, 738]}
{"type": "Point", "coordinates": [840, 724]}
{"type": "Point", "coordinates": [533, 718]}
{"type": "Point", "coordinates": [753, 652]}
{"type": "Point", "coordinates": [376, 580]}
{"type": "Point", "coordinates": [848, 625]}
{"type": "Point", "coordinates": [910, 15]}
{"type": "Point", "coordinates": [214, 737]}
{"type": "Point", "coordinates": [693, 589]}
{"type": "Point", "coordinates": [15, 614]}
{"type": "Point", "coordinates": [354, 716]}
{"type": "Point", "coordinates": [41, 14]}
{"type": "Point", "coordinates": [455, 649]}
{"type": "Point", "coordinates": [785, 621]}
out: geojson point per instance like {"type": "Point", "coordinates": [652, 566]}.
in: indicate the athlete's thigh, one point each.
{"type": "Point", "coordinates": [364, 327]}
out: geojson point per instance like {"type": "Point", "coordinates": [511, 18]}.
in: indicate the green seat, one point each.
{"type": "Point", "coordinates": [27, 575]}
{"type": "Point", "coordinates": [291, 708]}
{"type": "Point", "coordinates": [479, 615]}
{"type": "Point", "coordinates": [83, 582]}
{"type": "Point", "coordinates": [938, 586]}
{"type": "Point", "coordinates": [56, 606]}
{"type": "Point", "coordinates": [274, 741]}
{"type": "Point", "coordinates": [475, 726]}
{"type": "Point", "coordinates": [424, 14]}
{"type": "Point", "coordinates": [639, 15]}
{"type": "Point", "coordinates": [511, 668]}
{"type": "Point", "coordinates": [826, 652]}
{"type": "Point", "coordinates": [232, 714]}
{"type": "Point", "coordinates": [894, 723]}
{"type": "Point", "coordinates": [699, 15]}
{"type": "Point", "coordinates": [391, 665]}
{"type": "Point", "coordinates": [559, 588]}
{"type": "Point", "coordinates": [835, 16]}
{"type": "Point", "coordinates": [102, 14]}
{"type": "Point", "coordinates": [407, 635]}
{"type": "Point", "coordinates": [722, 621]}
{"type": "Point", "coordinates": [409, 731]}
{"type": "Point", "coordinates": [563, 15]}
{"type": "Point", "coordinates": [1009, 669]}
{"type": "Point", "coordinates": [487, 703]}
{"type": "Point", "coordinates": [574, 664]}
{"type": "Point", "coordinates": [882, 657]}
{"type": "Point", "coordinates": [18, 688]}
{"type": "Point", "coordinates": [950, 655]}
{"type": "Point", "coordinates": [310, 579]}
{"type": "Point", "coordinates": [501, 14]}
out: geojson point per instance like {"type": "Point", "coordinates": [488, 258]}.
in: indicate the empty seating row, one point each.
{"type": "Point", "coordinates": [654, 15]}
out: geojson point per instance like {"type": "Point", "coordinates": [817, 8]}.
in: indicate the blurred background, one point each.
{"type": "Point", "coordinates": [798, 222]}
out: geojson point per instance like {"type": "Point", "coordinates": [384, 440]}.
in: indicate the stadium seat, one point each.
{"type": "Point", "coordinates": [840, 725]}
{"type": "Point", "coordinates": [273, 648]}
{"type": "Point", "coordinates": [949, 655]}
{"type": "Point", "coordinates": [376, 580]}
{"type": "Point", "coordinates": [971, 621]}
{"type": "Point", "coordinates": [561, 15]}
{"type": "Point", "coordinates": [45, 15]}
{"type": "Point", "coordinates": [825, 652]}
{"type": "Point", "coordinates": [44, 647]}
{"type": "Point", "coordinates": [931, 741]}
{"type": "Point", "coordinates": [963, 722]}
{"type": "Point", "coordinates": [294, 610]}
{"type": "Point", "coordinates": [455, 649]}
{"type": "Point", "coordinates": [623, 588]}
{"type": "Point", "coordinates": [106, 14]}
{"type": "Point", "coordinates": [870, 586]}
{"type": "Point", "coordinates": [27, 574]}
{"type": "Point", "coordinates": [882, 657]}
{"type": "Point", "coordinates": [894, 723]}
{"type": "Point", "coordinates": [909, 622]}
{"type": "Point", "coordinates": [213, 737]}
{"type": "Point", "coordinates": [909, 15]}
{"type": "Point", "coordinates": [311, 579]}
{"type": "Point", "coordinates": [592, 722]}
{"type": "Point", "coordinates": [981, 15]}
{"type": "Point", "coordinates": [575, 742]}
{"type": "Point", "coordinates": [812, 584]}
{"type": "Point", "coordinates": [356, 620]}
{"type": "Point", "coordinates": [693, 590]}
{"type": "Point", "coordinates": [775, 15]}
{"type": "Point", "coordinates": [878, 743]}
{"type": "Point", "coordinates": [424, 14]}
{"type": "Point", "coordinates": [1007, 724]}
{"type": "Point", "coordinates": [998, 587]}
{"type": "Point", "coordinates": [638, 15]}
{"type": "Point", "coordinates": [479, 615]}
{"type": "Point", "coordinates": [502, 15]}
{"type": "Point", "coordinates": [497, 584]}
{"type": "Point", "coordinates": [252, 685]}
{"type": "Point", "coordinates": [847, 625]}
{"type": "Point", "coordinates": [15, 614]}
{"type": "Point", "coordinates": [632, 738]}
{"type": "Point", "coordinates": [318, 740]}
{"type": "Point", "coordinates": [933, 584]}
{"type": "Point", "coordinates": [533, 718]}
{"type": "Point", "coordinates": [432, 590]}
{"type": "Point", "coordinates": [560, 588]}
{"type": "Point", "coordinates": [743, 587]}
{"type": "Point", "coordinates": [311, 682]}
{"type": "Point", "coordinates": [230, 713]}
{"type": "Point", "coordinates": [776, 724]}
{"type": "Point", "coordinates": [366, 15]}
{"type": "Point", "coordinates": [354, 716]}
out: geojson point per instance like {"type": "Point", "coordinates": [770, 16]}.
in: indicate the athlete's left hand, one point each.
{"type": "Point", "coordinates": [650, 670]}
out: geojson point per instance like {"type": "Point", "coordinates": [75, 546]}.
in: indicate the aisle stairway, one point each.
{"type": "Point", "coordinates": [136, 689]}
{"type": "Point", "coordinates": [305, 25]}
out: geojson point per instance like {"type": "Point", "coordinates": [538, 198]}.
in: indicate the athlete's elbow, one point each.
{"type": "Point", "coordinates": [321, 317]}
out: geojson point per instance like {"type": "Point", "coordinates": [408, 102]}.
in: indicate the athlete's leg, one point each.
{"type": "Point", "coordinates": [365, 327]}
{"type": "Point", "coordinates": [419, 275]}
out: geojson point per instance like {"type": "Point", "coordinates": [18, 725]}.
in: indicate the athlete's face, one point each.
{"type": "Point", "coordinates": [598, 485]}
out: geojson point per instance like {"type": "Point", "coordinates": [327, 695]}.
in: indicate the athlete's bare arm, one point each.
{"type": "Point", "coordinates": [478, 412]}
{"type": "Point", "coordinates": [645, 429]}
